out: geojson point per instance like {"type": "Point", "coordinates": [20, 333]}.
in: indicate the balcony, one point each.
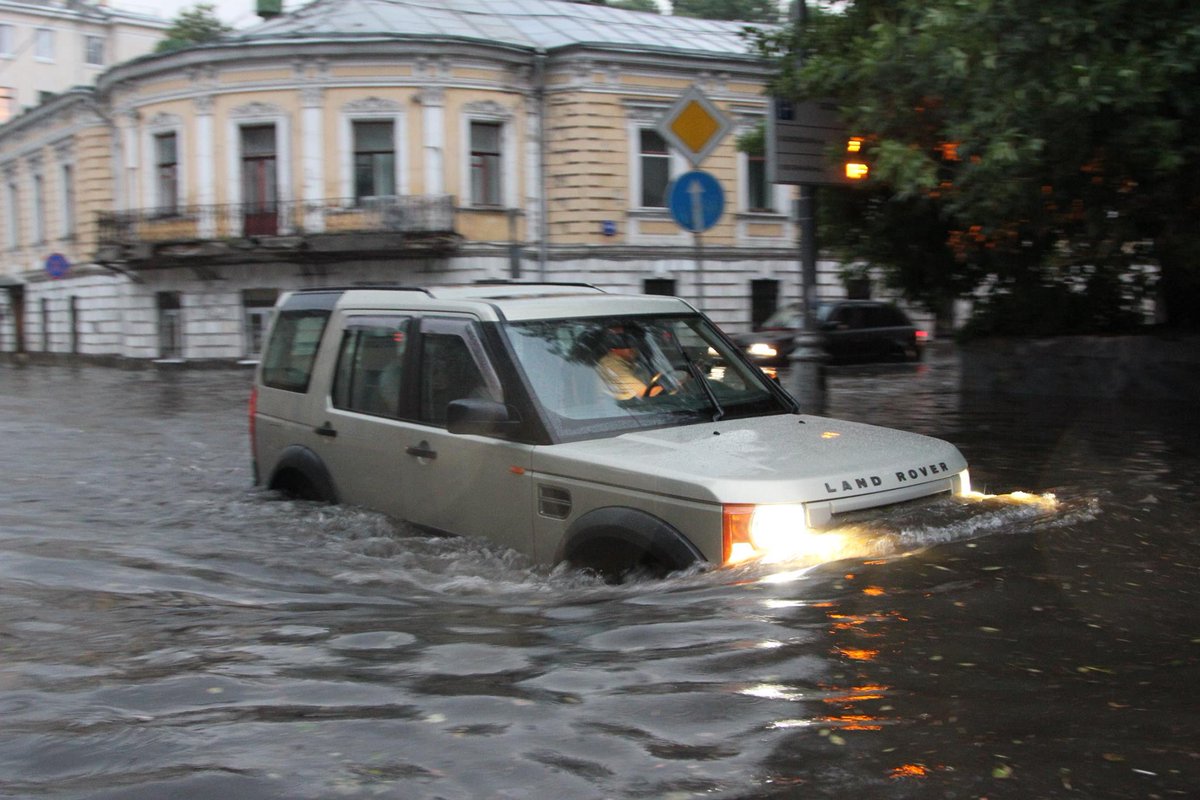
{"type": "Point", "coordinates": [295, 231]}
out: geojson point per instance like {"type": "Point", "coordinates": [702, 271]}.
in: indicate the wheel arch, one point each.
{"type": "Point", "coordinates": [616, 540]}
{"type": "Point", "coordinates": [301, 473]}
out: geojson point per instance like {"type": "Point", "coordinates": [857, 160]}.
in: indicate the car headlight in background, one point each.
{"type": "Point", "coordinates": [762, 350]}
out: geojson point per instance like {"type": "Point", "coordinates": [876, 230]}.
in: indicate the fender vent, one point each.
{"type": "Point", "coordinates": [554, 502]}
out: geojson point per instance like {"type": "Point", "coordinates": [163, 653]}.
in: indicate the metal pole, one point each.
{"type": "Point", "coordinates": [697, 216]}
{"type": "Point", "coordinates": [807, 361]}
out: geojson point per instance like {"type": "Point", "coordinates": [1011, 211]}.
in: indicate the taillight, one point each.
{"type": "Point", "coordinates": [922, 336]}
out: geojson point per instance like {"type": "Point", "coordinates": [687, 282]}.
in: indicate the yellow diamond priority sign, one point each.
{"type": "Point", "coordinates": [694, 126]}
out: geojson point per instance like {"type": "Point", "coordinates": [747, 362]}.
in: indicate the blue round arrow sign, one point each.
{"type": "Point", "coordinates": [696, 200]}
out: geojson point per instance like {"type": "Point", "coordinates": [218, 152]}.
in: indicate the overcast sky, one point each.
{"type": "Point", "coordinates": [239, 13]}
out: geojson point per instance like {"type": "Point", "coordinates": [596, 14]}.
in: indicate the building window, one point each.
{"type": "Point", "coordinates": [485, 163]}
{"type": "Point", "coordinates": [166, 171]}
{"type": "Point", "coordinates": [43, 44]}
{"type": "Point", "coordinates": [260, 187]}
{"type": "Point", "coordinates": [758, 191]}
{"type": "Point", "coordinates": [6, 41]}
{"type": "Point", "coordinates": [660, 286]}
{"type": "Point", "coordinates": [764, 299]}
{"type": "Point", "coordinates": [170, 325]}
{"type": "Point", "coordinates": [39, 210]}
{"type": "Point", "coordinates": [13, 219]}
{"type": "Point", "coordinates": [93, 51]}
{"type": "Point", "coordinates": [374, 159]}
{"type": "Point", "coordinates": [257, 305]}
{"type": "Point", "coordinates": [68, 200]}
{"type": "Point", "coordinates": [655, 164]}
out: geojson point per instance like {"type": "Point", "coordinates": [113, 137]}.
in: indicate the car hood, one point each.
{"type": "Point", "coordinates": [778, 459]}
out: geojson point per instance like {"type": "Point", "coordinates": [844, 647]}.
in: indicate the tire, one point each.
{"type": "Point", "coordinates": [623, 543]}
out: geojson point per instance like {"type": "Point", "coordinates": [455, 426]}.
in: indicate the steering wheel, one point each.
{"type": "Point", "coordinates": [655, 382]}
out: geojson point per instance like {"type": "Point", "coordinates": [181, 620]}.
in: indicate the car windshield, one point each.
{"type": "Point", "coordinates": [598, 377]}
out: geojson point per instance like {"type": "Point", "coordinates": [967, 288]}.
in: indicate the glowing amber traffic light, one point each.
{"type": "Point", "coordinates": [856, 169]}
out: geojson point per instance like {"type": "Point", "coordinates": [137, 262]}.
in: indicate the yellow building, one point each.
{"type": "Point", "coordinates": [160, 214]}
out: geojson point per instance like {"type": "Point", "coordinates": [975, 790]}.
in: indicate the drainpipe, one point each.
{"type": "Point", "coordinates": [539, 93]}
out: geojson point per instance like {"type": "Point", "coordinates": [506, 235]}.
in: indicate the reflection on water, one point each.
{"type": "Point", "coordinates": [165, 631]}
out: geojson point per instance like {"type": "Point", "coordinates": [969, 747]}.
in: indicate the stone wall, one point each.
{"type": "Point", "coordinates": [1152, 367]}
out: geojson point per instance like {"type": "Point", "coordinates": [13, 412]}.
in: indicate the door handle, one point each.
{"type": "Point", "coordinates": [421, 450]}
{"type": "Point", "coordinates": [325, 430]}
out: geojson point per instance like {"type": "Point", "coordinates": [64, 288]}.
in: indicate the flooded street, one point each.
{"type": "Point", "coordinates": [166, 631]}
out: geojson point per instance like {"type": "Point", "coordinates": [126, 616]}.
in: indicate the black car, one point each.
{"type": "Point", "coordinates": [852, 331]}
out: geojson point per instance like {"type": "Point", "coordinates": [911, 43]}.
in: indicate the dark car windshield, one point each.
{"type": "Point", "coordinates": [597, 377]}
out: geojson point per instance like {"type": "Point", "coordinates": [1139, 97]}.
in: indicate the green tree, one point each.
{"type": "Point", "coordinates": [195, 25]}
{"type": "Point", "coordinates": [1051, 145]}
{"type": "Point", "coordinates": [636, 5]}
{"type": "Point", "coordinates": [746, 10]}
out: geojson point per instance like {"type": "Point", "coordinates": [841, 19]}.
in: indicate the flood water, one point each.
{"type": "Point", "coordinates": [166, 631]}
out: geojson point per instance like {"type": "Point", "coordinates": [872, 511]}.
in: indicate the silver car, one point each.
{"type": "Point", "coordinates": [616, 432]}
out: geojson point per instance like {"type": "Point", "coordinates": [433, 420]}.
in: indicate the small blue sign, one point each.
{"type": "Point", "coordinates": [696, 200]}
{"type": "Point", "coordinates": [608, 227]}
{"type": "Point", "coordinates": [57, 265]}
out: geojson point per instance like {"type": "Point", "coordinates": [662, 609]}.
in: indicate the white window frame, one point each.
{"type": "Point", "coordinates": [7, 37]}
{"type": "Point", "coordinates": [37, 181]}
{"type": "Point", "coordinates": [773, 194]}
{"type": "Point", "coordinates": [164, 124]}
{"type": "Point", "coordinates": [346, 144]}
{"type": "Point", "coordinates": [43, 45]}
{"type": "Point", "coordinates": [66, 172]}
{"type": "Point", "coordinates": [13, 218]}
{"type": "Point", "coordinates": [676, 166]}
{"type": "Point", "coordinates": [508, 158]}
{"type": "Point", "coordinates": [88, 40]}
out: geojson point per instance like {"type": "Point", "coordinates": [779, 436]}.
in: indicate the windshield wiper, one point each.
{"type": "Point", "coordinates": [718, 411]}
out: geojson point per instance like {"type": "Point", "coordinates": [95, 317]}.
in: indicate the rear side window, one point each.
{"type": "Point", "coordinates": [370, 372]}
{"type": "Point", "coordinates": [292, 349]}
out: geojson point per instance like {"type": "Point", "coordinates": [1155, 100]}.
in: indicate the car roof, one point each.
{"type": "Point", "coordinates": [507, 300]}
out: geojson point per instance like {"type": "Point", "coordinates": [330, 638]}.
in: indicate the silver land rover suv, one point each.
{"type": "Point", "coordinates": [615, 432]}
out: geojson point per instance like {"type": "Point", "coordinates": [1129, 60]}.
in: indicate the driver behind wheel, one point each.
{"type": "Point", "coordinates": [624, 376]}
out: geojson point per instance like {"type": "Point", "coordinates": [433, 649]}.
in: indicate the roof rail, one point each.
{"type": "Point", "coordinates": [389, 287]}
{"type": "Point", "coordinates": [507, 282]}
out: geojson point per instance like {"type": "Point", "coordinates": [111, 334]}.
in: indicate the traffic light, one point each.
{"type": "Point", "coordinates": [855, 165]}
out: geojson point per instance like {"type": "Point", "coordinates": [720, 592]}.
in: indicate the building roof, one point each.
{"type": "Point", "coordinates": [535, 24]}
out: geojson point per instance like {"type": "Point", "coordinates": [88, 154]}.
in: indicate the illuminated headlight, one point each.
{"type": "Point", "coordinates": [762, 350]}
{"type": "Point", "coordinates": [776, 528]}
{"type": "Point", "coordinates": [752, 531]}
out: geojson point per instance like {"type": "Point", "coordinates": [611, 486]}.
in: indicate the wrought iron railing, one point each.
{"type": "Point", "coordinates": [385, 214]}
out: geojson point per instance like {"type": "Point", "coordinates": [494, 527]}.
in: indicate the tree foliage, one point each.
{"type": "Point", "coordinates": [1043, 151]}
{"type": "Point", "coordinates": [195, 25]}
{"type": "Point", "coordinates": [746, 10]}
{"type": "Point", "coordinates": [636, 5]}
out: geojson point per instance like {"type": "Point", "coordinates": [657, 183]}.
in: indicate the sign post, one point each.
{"type": "Point", "coordinates": [695, 127]}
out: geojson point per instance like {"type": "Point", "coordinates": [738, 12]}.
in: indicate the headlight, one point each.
{"type": "Point", "coordinates": [762, 350]}
{"type": "Point", "coordinates": [775, 528]}
{"type": "Point", "coordinates": [751, 531]}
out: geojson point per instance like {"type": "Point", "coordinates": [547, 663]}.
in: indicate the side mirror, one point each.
{"type": "Point", "coordinates": [480, 417]}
